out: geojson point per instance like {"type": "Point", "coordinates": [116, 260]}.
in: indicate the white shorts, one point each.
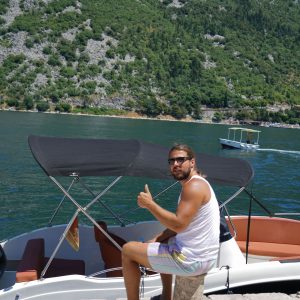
{"type": "Point", "coordinates": [167, 259]}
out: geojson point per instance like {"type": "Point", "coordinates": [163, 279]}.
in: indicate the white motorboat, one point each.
{"type": "Point", "coordinates": [241, 138]}
{"type": "Point", "coordinates": [257, 254]}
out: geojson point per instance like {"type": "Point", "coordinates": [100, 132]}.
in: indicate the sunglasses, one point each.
{"type": "Point", "coordinates": [180, 160]}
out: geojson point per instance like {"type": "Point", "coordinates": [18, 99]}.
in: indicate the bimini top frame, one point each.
{"type": "Point", "coordinates": [76, 158]}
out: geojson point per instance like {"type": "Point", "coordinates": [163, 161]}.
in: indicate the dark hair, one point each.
{"type": "Point", "coordinates": [182, 147]}
{"type": "Point", "coordinates": [190, 153]}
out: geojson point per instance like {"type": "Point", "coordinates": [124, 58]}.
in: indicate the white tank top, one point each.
{"type": "Point", "coordinates": [200, 240]}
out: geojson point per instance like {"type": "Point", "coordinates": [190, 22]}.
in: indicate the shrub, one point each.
{"type": "Point", "coordinates": [12, 102]}
{"type": "Point", "coordinates": [47, 50]}
{"type": "Point", "coordinates": [29, 43]}
{"type": "Point", "coordinates": [2, 21]}
{"type": "Point", "coordinates": [67, 50]}
{"type": "Point", "coordinates": [110, 53]}
{"type": "Point", "coordinates": [67, 72]}
{"type": "Point", "coordinates": [151, 107]}
{"type": "Point", "coordinates": [63, 107]}
{"type": "Point", "coordinates": [218, 116]}
{"type": "Point", "coordinates": [178, 112]}
{"type": "Point", "coordinates": [42, 106]}
{"type": "Point", "coordinates": [13, 60]}
{"type": "Point", "coordinates": [89, 86]}
{"type": "Point", "coordinates": [54, 60]}
{"type": "Point", "coordinates": [28, 102]}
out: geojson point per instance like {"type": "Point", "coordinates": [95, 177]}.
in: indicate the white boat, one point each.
{"type": "Point", "coordinates": [257, 254]}
{"type": "Point", "coordinates": [241, 138]}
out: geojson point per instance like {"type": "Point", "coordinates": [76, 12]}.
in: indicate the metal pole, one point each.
{"type": "Point", "coordinates": [60, 204]}
{"type": "Point", "coordinates": [260, 204]}
{"type": "Point", "coordinates": [232, 197]}
{"type": "Point", "coordinates": [286, 214]}
{"type": "Point", "coordinates": [62, 237]}
{"type": "Point", "coordinates": [163, 191]}
{"type": "Point", "coordinates": [83, 210]}
{"type": "Point", "coordinates": [102, 203]}
{"type": "Point", "coordinates": [248, 229]}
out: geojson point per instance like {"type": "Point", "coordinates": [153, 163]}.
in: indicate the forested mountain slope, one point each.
{"type": "Point", "coordinates": [153, 57]}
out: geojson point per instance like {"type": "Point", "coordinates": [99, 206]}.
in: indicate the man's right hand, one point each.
{"type": "Point", "coordinates": [144, 199]}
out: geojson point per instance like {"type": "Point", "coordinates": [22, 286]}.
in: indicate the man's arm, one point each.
{"type": "Point", "coordinates": [195, 193]}
{"type": "Point", "coordinates": [163, 236]}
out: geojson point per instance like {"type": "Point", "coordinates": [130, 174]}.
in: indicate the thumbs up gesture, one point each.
{"type": "Point", "coordinates": [144, 199]}
{"type": "Point", "coordinates": [146, 189]}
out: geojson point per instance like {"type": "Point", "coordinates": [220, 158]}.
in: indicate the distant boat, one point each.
{"type": "Point", "coordinates": [241, 138]}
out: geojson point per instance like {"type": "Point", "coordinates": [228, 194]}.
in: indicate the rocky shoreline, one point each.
{"type": "Point", "coordinates": [134, 115]}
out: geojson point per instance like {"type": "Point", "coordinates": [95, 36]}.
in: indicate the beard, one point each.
{"type": "Point", "coordinates": [181, 174]}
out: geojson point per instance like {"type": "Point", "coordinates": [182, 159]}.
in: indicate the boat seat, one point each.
{"type": "Point", "coordinates": [111, 255]}
{"type": "Point", "coordinates": [33, 262]}
{"type": "Point", "coordinates": [288, 259]}
{"type": "Point", "coordinates": [274, 237]}
{"type": "Point", "coordinates": [270, 249]}
{"type": "Point", "coordinates": [62, 267]}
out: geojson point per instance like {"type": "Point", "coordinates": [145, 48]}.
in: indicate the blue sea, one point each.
{"type": "Point", "coordinates": [28, 198]}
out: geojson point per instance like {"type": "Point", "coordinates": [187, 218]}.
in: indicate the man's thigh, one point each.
{"type": "Point", "coordinates": [137, 252]}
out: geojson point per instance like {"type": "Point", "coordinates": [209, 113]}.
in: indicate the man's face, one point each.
{"type": "Point", "coordinates": [180, 164]}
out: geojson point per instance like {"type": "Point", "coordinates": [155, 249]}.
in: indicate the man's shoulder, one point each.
{"type": "Point", "coordinates": [197, 183]}
{"type": "Point", "coordinates": [198, 179]}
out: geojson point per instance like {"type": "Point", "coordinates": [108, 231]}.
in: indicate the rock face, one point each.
{"type": "Point", "coordinates": [12, 12]}
{"type": "Point", "coordinates": [17, 46]}
{"type": "Point", "coordinates": [71, 57]}
{"type": "Point", "coordinates": [95, 53]}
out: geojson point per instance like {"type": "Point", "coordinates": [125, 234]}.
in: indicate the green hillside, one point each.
{"type": "Point", "coordinates": [153, 57]}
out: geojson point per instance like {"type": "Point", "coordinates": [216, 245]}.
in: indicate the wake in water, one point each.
{"type": "Point", "coordinates": [280, 151]}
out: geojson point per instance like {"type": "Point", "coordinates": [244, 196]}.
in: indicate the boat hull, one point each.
{"type": "Point", "coordinates": [230, 144]}
{"type": "Point", "coordinates": [266, 276]}
{"type": "Point", "coordinates": [251, 278]}
{"type": "Point", "coordinates": [77, 287]}
{"type": "Point", "coordinates": [261, 277]}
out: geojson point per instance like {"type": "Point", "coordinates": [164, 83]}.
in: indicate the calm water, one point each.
{"type": "Point", "coordinates": [28, 197]}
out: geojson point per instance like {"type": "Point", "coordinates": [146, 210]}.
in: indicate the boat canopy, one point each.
{"type": "Point", "coordinates": [110, 157]}
{"type": "Point", "coordinates": [244, 129]}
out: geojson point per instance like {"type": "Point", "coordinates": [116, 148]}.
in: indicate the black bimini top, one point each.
{"type": "Point", "coordinates": [109, 157]}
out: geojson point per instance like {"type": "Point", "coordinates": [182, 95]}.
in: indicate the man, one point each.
{"type": "Point", "coordinates": [189, 246]}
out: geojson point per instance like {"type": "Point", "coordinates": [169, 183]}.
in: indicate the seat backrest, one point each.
{"type": "Point", "coordinates": [32, 262]}
{"type": "Point", "coordinates": [111, 255]}
{"type": "Point", "coordinates": [268, 229]}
